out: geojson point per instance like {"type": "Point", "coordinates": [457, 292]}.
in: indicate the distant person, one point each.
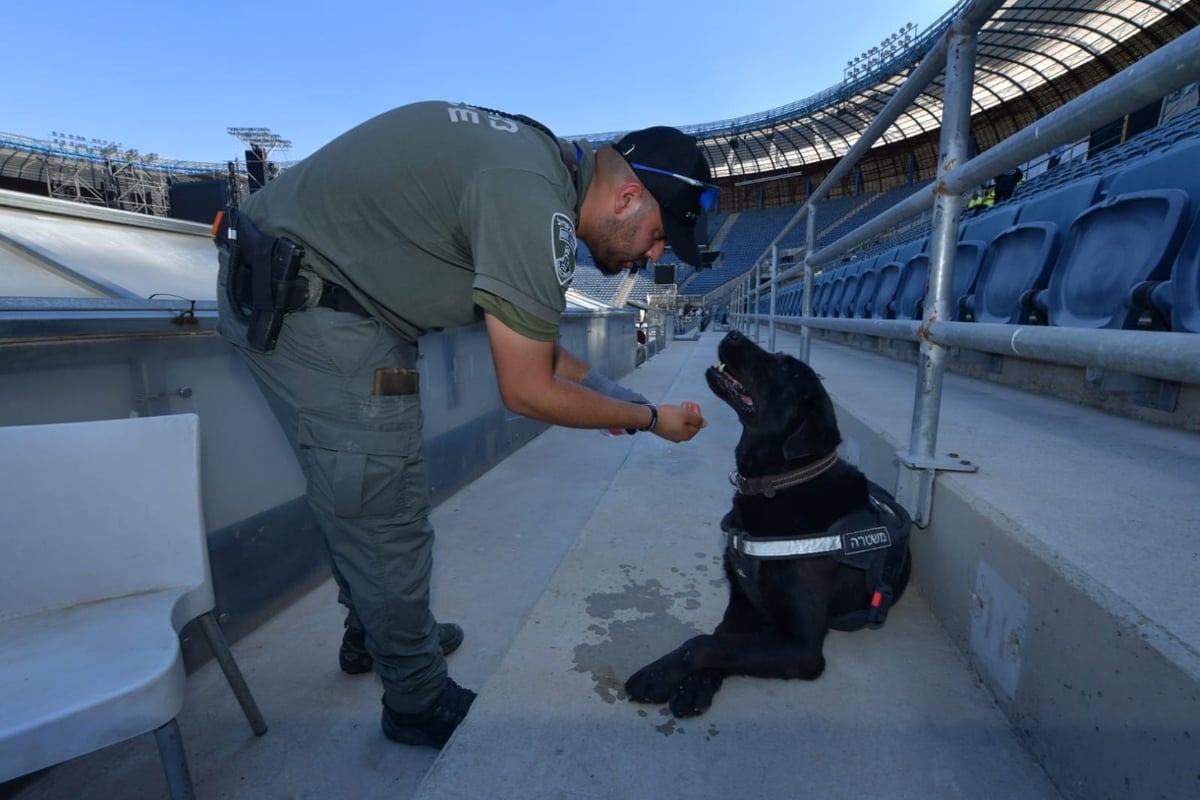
{"type": "Point", "coordinates": [1006, 183]}
{"type": "Point", "coordinates": [429, 216]}
{"type": "Point", "coordinates": [1056, 156]}
{"type": "Point", "coordinates": [981, 200]}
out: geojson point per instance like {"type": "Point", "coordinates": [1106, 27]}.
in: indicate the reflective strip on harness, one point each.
{"type": "Point", "coordinates": [787, 548]}
{"type": "Point", "coordinates": [851, 543]}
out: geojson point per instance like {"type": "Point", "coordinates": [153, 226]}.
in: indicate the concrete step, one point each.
{"type": "Point", "coordinates": [898, 713]}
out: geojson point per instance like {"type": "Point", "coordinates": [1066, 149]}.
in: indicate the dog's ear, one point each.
{"type": "Point", "coordinates": [817, 435]}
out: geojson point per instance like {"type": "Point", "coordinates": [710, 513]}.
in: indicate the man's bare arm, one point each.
{"type": "Point", "coordinates": [526, 371]}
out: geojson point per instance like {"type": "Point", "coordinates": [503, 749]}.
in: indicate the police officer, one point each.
{"type": "Point", "coordinates": [429, 216]}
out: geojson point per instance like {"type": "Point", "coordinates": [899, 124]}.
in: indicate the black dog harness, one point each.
{"type": "Point", "coordinates": [873, 539]}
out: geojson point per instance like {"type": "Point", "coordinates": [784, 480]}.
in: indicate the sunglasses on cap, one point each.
{"type": "Point", "coordinates": [708, 197]}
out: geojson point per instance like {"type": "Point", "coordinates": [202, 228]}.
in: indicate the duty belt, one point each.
{"type": "Point", "coordinates": [265, 284]}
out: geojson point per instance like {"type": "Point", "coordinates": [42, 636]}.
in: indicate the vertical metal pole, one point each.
{"type": "Point", "coordinates": [810, 247]}
{"type": "Point", "coordinates": [774, 296]}
{"type": "Point", "coordinates": [915, 487]}
{"type": "Point", "coordinates": [754, 292]}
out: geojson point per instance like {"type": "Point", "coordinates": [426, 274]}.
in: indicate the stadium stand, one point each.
{"type": "Point", "coordinates": [1129, 237]}
{"type": "Point", "coordinates": [1019, 259]}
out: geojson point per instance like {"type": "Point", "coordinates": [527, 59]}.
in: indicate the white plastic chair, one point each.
{"type": "Point", "coordinates": [103, 559]}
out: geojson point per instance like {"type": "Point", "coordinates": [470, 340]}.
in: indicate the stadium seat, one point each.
{"type": "Point", "coordinates": [833, 302]}
{"type": "Point", "coordinates": [822, 286]}
{"type": "Point", "coordinates": [1170, 169]}
{"type": "Point", "coordinates": [1015, 266]}
{"type": "Point", "coordinates": [896, 277]}
{"type": "Point", "coordinates": [914, 280]}
{"type": "Point", "coordinates": [1179, 297]}
{"type": "Point", "coordinates": [845, 306]}
{"type": "Point", "coordinates": [868, 282]}
{"type": "Point", "coordinates": [837, 276]}
{"type": "Point", "coordinates": [986, 226]}
{"type": "Point", "coordinates": [1114, 245]}
{"type": "Point", "coordinates": [1018, 260]}
{"type": "Point", "coordinates": [967, 260]}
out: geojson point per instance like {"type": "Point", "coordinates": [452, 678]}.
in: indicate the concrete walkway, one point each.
{"type": "Point", "coordinates": [571, 564]}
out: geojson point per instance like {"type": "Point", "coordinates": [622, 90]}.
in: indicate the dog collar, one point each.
{"type": "Point", "coordinates": [772, 483]}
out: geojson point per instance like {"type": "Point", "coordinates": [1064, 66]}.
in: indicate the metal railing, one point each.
{"type": "Point", "coordinates": [1164, 355]}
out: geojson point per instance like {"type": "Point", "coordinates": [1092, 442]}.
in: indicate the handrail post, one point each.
{"type": "Point", "coordinates": [752, 309]}
{"type": "Point", "coordinates": [915, 484]}
{"type": "Point", "coordinates": [774, 297]}
{"type": "Point", "coordinates": [810, 244]}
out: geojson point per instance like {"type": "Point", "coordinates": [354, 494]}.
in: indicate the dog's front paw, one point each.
{"type": "Point", "coordinates": [655, 683]}
{"type": "Point", "coordinates": [695, 693]}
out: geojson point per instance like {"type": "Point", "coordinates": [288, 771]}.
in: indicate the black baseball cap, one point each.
{"type": "Point", "coordinates": [670, 164]}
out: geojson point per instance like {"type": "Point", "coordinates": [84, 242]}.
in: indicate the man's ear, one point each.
{"type": "Point", "coordinates": [627, 197]}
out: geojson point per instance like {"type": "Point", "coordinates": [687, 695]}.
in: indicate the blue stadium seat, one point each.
{"type": "Point", "coordinates": [1179, 297]}
{"type": "Point", "coordinates": [1123, 240]}
{"type": "Point", "coordinates": [910, 288]}
{"type": "Point", "coordinates": [892, 275]}
{"type": "Point", "coordinates": [867, 281]}
{"type": "Point", "coordinates": [821, 289]}
{"type": "Point", "coordinates": [1016, 266]}
{"type": "Point", "coordinates": [984, 227]}
{"type": "Point", "coordinates": [914, 280]}
{"type": "Point", "coordinates": [836, 287]}
{"type": "Point", "coordinates": [845, 306]}
{"type": "Point", "coordinates": [1018, 260]}
{"type": "Point", "coordinates": [967, 260]}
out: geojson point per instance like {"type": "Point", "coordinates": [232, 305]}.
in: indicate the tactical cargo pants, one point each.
{"type": "Point", "coordinates": [367, 484]}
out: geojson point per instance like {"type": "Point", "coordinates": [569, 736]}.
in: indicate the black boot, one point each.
{"type": "Point", "coordinates": [433, 726]}
{"type": "Point", "coordinates": [355, 660]}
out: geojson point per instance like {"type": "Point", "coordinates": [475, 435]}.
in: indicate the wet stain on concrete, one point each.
{"type": "Point", "coordinates": [633, 627]}
{"type": "Point", "coordinates": [669, 727]}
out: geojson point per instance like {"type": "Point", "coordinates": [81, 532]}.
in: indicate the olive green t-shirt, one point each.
{"type": "Point", "coordinates": [432, 212]}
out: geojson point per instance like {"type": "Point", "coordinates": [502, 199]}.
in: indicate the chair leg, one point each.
{"type": "Point", "coordinates": [174, 761]}
{"type": "Point", "coordinates": [241, 691]}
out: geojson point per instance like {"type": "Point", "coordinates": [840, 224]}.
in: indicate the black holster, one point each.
{"type": "Point", "coordinates": [264, 282]}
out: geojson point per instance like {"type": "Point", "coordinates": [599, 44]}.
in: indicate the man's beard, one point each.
{"type": "Point", "coordinates": [616, 269]}
{"type": "Point", "coordinates": [613, 249]}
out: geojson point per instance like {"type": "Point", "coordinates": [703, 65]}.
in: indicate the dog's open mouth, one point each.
{"type": "Point", "coordinates": [726, 386]}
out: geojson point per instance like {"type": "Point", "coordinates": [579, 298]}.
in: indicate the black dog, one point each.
{"type": "Point", "coordinates": [811, 543]}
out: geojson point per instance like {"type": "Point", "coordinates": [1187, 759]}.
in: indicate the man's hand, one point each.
{"type": "Point", "coordinates": [679, 423]}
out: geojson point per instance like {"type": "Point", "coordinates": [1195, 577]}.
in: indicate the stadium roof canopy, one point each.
{"type": "Point", "coordinates": [1027, 46]}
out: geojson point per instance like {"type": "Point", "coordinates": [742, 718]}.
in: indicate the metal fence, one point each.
{"type": "Point", "coordinates": [1166, 355]}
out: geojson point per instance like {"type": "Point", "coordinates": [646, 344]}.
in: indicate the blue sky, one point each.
{"type": "Point", "coordinates": [171, 77]}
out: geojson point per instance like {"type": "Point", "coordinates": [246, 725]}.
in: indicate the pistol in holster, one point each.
{"type": "Point", "coordinates": [264, 283]}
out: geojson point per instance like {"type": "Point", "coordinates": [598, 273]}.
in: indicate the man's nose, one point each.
{"type": "Point", "coordinates": [656, 250]}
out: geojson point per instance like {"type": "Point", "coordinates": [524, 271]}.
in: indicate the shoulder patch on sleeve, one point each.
{"type": "Point", "coordinates": [562, 244]}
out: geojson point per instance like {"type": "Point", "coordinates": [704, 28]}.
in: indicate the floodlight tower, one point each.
{"type": "Point", "coordinates": [261, 138]}
{"type": "Point", "coordinates": [259, 144]}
